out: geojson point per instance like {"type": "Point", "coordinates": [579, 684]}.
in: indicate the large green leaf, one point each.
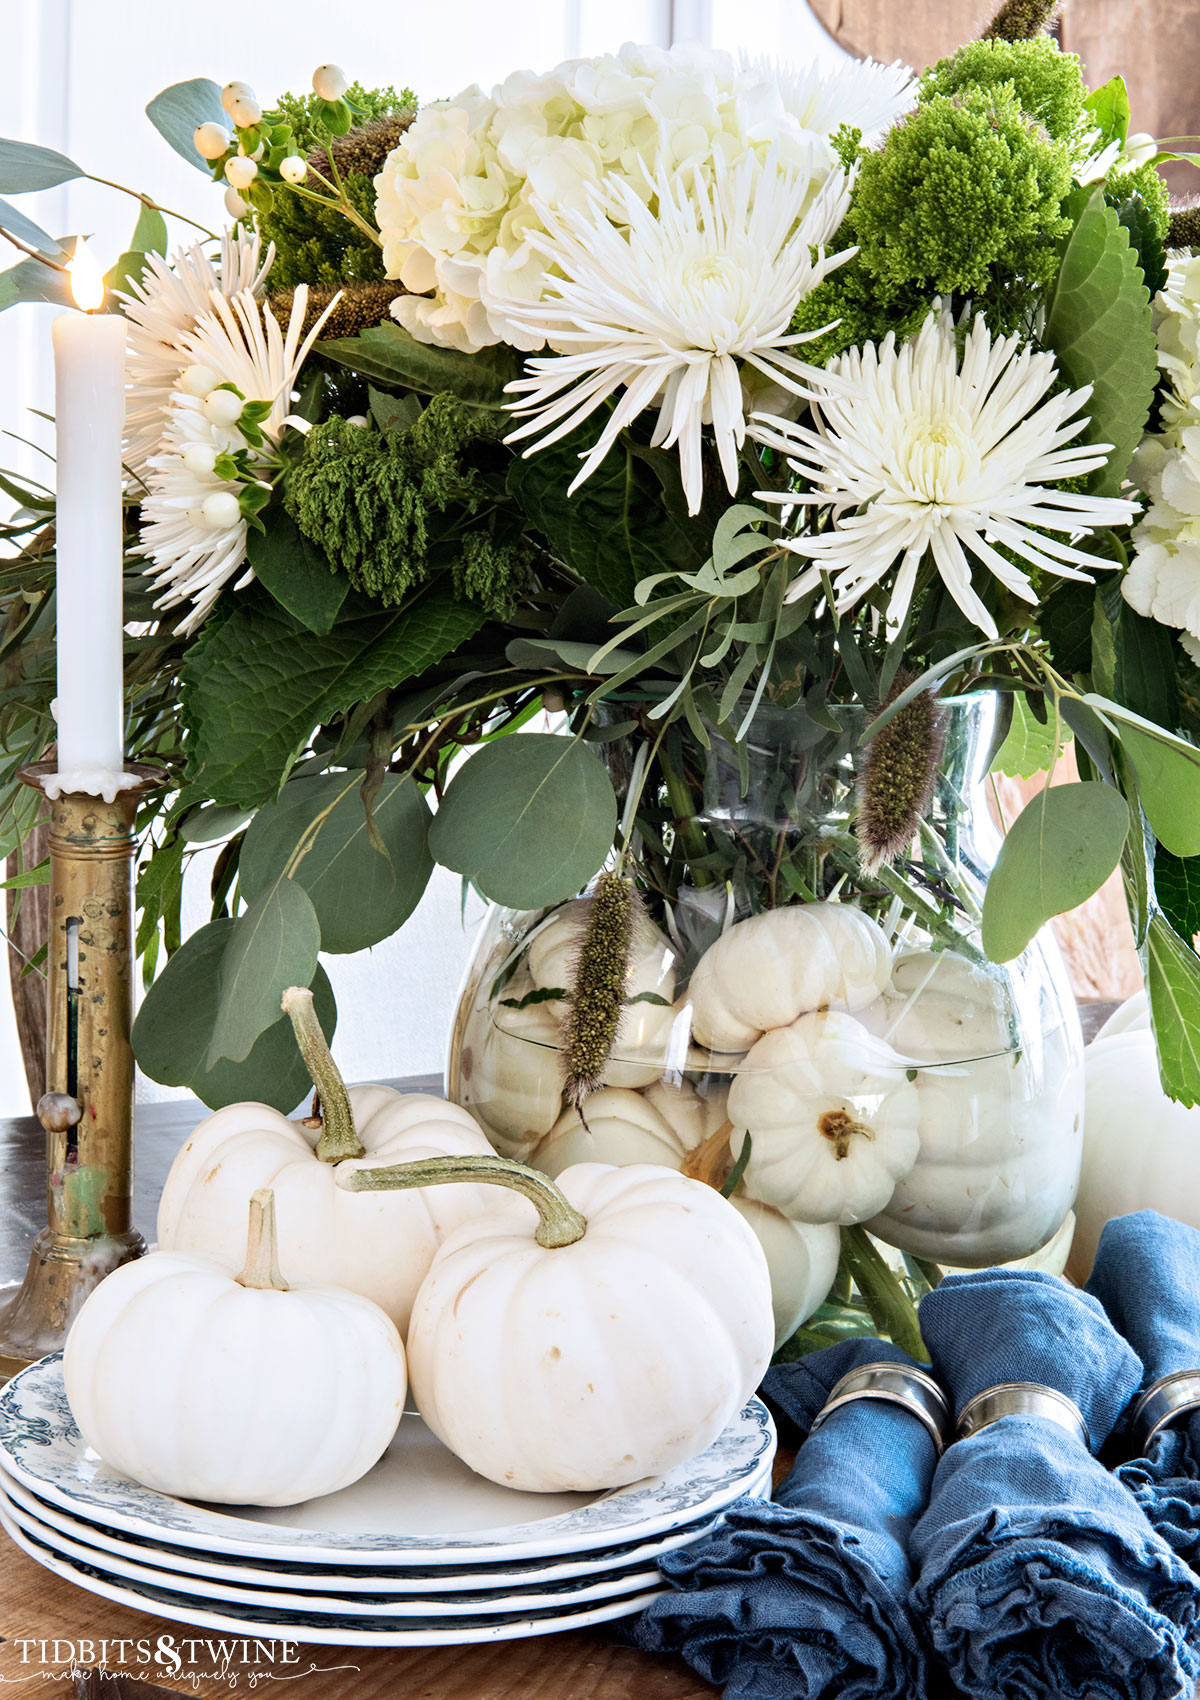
{"type": "Point", "coordinates": [174, 1025]}
{"type": "Point", "coordinates": [529, 819]}
{"type": "Point", "coordinates": [296, 572]}
{"type": "Point", "coordinates": [620, 526]}
{"type": "Point", "coordinates": [388, 354]}
{"type": "Point", "coordinates": [1060, 849]}
{"type": "Point", "coordinates": [1168, 775]}
{"type": "Point", "coordinates": [361, 893]}
{"type": "Point", "coordinates": [1099, 326]}
{"type": "Point", "coordinates": [20, 225]}
{"type": "Point", "coordinates": [1144, 678]}
{"type": "Point", "coordinates": [257, 683]}
{"type": "Point", "coordinates": [1173, 982]}
{"type": "Point", "coordinates": [178, 112]}
{"type": "Point", "coordinates": [1177, 888]}
{"type": "Point", "coordinates": [1029, 747]}
{"type": "Point", "coordinates": [26, 168]}
{"type": "Point", "coordinates": [272, 946]}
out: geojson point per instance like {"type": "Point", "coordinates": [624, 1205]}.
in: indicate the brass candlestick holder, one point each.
{"type": "Point", "coordinates": [88, 1108]}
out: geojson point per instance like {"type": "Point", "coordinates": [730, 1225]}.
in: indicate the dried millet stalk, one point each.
{"type": "Point", "coordinates": [362, 305]}
{"type": "Point", "coordinates": [362, 149]}
{"type": "Point", "coordinates": [1184, 229]}
{"type": "Point", "coordinates": [1020, 20]}
{"type": "Point", "coordinates": [598, 989]}
{"type": "Point", "coordinates": [895, 783]}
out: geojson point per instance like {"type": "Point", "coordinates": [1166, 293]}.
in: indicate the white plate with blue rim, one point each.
{"type": "Point", "coordinates": [410, 1582]}
{"type": "Point", "coordinates": [420, 1506]}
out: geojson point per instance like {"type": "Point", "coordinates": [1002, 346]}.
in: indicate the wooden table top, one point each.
{"type": "Point", "coordinates": [52, 1629]}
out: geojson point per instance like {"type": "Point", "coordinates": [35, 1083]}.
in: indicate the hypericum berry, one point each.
{"type": "Point", "coordinates": [235, 91]}
{"type": "Point", "coordinates": [330, 82]}
{"type": "Point", "coordinates": [245, 112]}
{"type": "Point", "coordinates": [240, 171]}
{"type": "Point", "coordinates": [221, 509]}
{"type": "Point", "coordinates": [198, 381]}
{"type": "Point", "coordinates": [293, 169]}
{"type": "Point", "coordinates": [212, 140]}
{"type": "Point", "coordinates": [234, 204]}
{"type": "Point", "coordinates": [223, 407]}
{"type": "Point", "coordinates": [200, 458]}
{"type": "Point", "coordinates": [356, 419]}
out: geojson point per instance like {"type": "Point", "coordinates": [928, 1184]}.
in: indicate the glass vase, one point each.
{"type": "Point", "coordinates": [832, 1048]}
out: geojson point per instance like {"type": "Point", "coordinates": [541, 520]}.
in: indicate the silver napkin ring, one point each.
{"type": "Point", "coordinates": [1163, 1401]}
{"type": "Point", "coordinates": [1021, 1399]}
{"type": "Point", "coordinates": [898, 1384]}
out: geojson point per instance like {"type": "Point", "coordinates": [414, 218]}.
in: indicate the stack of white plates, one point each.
{"type": "Point", "coordinates": [421, 1552]}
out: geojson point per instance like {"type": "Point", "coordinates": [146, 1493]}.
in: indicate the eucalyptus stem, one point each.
{"type": "Point", "coordinates": [891, 1309]}
{"type": "Point", "coordinates": [261, 1268]}
{"type": "Point", "coordinates": [339, 1136]}
{"type": "Point", "coordinates": [559, 1223]}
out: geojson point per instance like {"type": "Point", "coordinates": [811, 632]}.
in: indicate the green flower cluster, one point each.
{"type": "Point", "coordinates": [389, 508]}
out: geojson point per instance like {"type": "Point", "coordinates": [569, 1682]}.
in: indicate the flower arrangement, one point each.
{"type": "Point", "coordinates": [657, 391]}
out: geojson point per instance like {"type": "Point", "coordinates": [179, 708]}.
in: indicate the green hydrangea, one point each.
{"type": "Point", "coordinates": [298, 110]}
{"type": "Point", "coordinates": [850, 297]}
{"type": "Point", "coordinates": [1047, 82]}
{"type": "Point", "coordinates": [389, 508]}
{"type": "Point", "coordinates": [1146, 183]}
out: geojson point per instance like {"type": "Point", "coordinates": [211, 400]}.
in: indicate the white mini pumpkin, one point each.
{"type": "Point", "coordinates": [621, 1127]}
{"type": "Point", "coordinates": [379, 1246]}
{"type": "Point", "coordinates": [768, 969]}
{"type": "Point", "coordinates": [208, 1384]}
{"type": "Point", "coordinates": [510, 1073]}
{"type": "Point", "coordinates": [831, 1116]}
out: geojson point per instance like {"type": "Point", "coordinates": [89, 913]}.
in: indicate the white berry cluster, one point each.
{"type": "Point", "coordinates": [244, 147]}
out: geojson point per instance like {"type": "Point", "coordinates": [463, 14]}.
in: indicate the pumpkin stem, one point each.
{"type": "Point", "coordinates": [711, 1160]}
{"type": "Point", "coordinates": [262, 1247]}
{"type": "Point", "coordinates": [339, 1137]}
{"type": "Point", "coordinates": [559, 1223]}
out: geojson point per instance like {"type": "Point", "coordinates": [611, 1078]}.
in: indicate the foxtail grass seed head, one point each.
{"type": "Point", "coordinates": [363, 149]}
{"type": "Point", "coordinates": [1020, 20]}
{"type": "Point", "coordinates": [1183, 231]}
{"type": "Point", "coordinates": [598, 988]}
{"type": "Point", "coordinates": [359, 307]}
{"type": "Point", "coordinates": [895, 782]}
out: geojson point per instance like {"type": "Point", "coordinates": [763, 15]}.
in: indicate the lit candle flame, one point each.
{"type": "Point", "coordinates": [87, 280]}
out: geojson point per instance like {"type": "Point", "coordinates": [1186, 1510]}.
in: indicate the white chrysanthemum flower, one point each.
{"type": "Point", "coordinates": [458, 196]}
{"type": "Point", "coordinates": [1163, 581]}
{"type": "Point", "coordinates": [162, 308]}
{"type": "Point", "coordinates": [196, 550]}
{"type": "Point", "coordinates": [668, 306]}
{"type": "Point", "coordinates": [916, 450]}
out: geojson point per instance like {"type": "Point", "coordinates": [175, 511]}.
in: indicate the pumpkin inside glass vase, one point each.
{"type": "Point", "coordinates": [832, 1047]}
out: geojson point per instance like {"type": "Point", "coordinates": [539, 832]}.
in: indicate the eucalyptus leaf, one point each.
{"type": "Point", "coordinates": [178, 112]}
{"type": "Point", "coordinates": [1059, 850]}
{"type": "Point", "coordinates": [388, 354]}
{"type": "Point", "coordinates": [529, 819]}
{"type": "Point", "coordinates": [1099, 326]}
{"type": "Point", "coordinates": [175, 1022]}
{"type": "Point", "coordinates": [26, 168]}
{"type": "Point", "coordinates": [272, 946]}
{"type": "Point", "coordinates": [1168, 775]}
{"type": "Point", "coordinates": [30, 280]}
{"type": "Point", "coordinates": [213, 825]}
{"type": "Point", "coordinates": [1173, 984]}
{"type": "Point", "coordinates": [361, 894]}
{"type": "Point", "coordinates": [20, 225]}
{"type": "Point", "coordinates": [295, 572]}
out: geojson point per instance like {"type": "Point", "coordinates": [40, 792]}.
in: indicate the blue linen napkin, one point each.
{"type": "Point", "coordinates": [1147, 1277]}
{"type": "Point", "coordinates": [1038, 1574]}
{"type": "Point", "coordinates": [807, 1598]}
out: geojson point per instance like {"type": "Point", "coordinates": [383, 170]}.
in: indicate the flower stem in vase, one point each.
{"type": "Point", "coordinates": [891, 1308]}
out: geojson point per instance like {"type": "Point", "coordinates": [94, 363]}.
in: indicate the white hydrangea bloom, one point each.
{"type": "Point", "coordinates": [1163, 581]}
{"type": "Point", "coordinates": [458, 197]}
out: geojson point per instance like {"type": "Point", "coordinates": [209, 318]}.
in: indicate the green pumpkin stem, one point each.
{"type": "Point", "coordinates": [339, 1137]}
{"type": "Point", "coordinates": [261, 1268]}
{"type": "Point", "coordinates": [559, 1223]}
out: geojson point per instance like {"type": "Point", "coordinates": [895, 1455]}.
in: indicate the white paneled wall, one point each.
{"type": "Point", "coordinates": [78, 76]}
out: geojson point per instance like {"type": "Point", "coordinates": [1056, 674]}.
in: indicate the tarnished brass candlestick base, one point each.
{"type": "Point", "coordinates": [88, 1108]}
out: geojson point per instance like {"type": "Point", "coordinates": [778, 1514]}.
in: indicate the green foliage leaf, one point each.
{"type": "Point", "coordinates": [174, 1025]}
{"type": "Point", "coordinates": [257, 683]}
{"type": "Point", "coordinates": [178, 112]}
{"type": "Point", "coordinates": [1099, 326]}
{"type": "Point", "coordinates": [25, 168]}
{"type": "Point", "coordinates": [1135, 217]}
{"type": "Point", "coordinates": [1173, 982]}
{"type": "Point", "coordinates": [150, 232]}
{"type": "Point", "coordinates": [213, 825]}
{"type": "Point", "coordinates": [1066, 624]}
{"type": "Point", "coordinates": [32, 281]}
{"type": "Point", "coordinates": [619, 527]}
{"type": "Point", "coordinates": [361, 894]}
{"type": "Point", "coordinates": [1144, 677]}
{"type": "Point", "coordinates": [1029, 747]}
{"type": "Point", "coordinates": [18, 224]}
{"type": "Point", "coordinates": [1060, 849]}
{"type": "Point", "coordinates": [32, 876]}
{"type": "Point", "coordinates": [388, 354]}
{"type": "Point", "coordinates": [272, 946]}
{"type": "Point", "coordinates": [1177, 888]}
{"type": "Point", "coordinates": [1108, 108]}
{"type": "Point", "coordinates": [529, 819]}
{"type": "Point", "coordinates": [1168, 776]}
{"type": "Point", "coordinates": [296, 573]}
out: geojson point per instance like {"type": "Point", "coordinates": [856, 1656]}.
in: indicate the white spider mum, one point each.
{"type": "Point", "coordinates": [668, 305]}
{"type": "Point", "coordinates": [192, 527]}
{"type": "Point", "coordinates": [162, 308]}
{"type": "Point", "coordinates": [916, 450]}
{"type": "Point", "coordinates": [860, 93]}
